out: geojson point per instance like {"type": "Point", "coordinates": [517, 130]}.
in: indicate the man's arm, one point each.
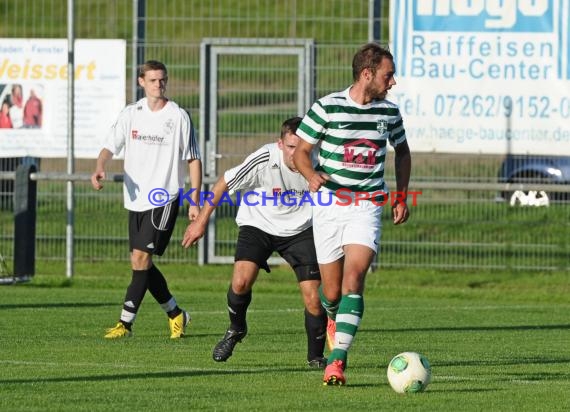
{"type": "Point", "coordinates": [403, 166]}
{"type": "Point", "coordinates": [304, 164]}
{"type": "Point", "coordinates": [195, 174]}
{"type": "Point", "coordinates": [196, 229]}
{"type": "Point", "coordinates": [104, 156]}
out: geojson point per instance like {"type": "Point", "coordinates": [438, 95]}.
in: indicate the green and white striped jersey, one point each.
{"type": "Point", "coordinates": [352, 140]}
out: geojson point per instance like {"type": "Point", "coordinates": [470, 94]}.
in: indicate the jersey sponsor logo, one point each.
{"type": "Point", "coordinates": [148, 139]}
{"type": "Point", "coordinates": [275, 166]}
{"type": "Point", "coordinates": [365, 159]}
{"type": "Point", "coordinates": [277, 191]}
{"type": "Point", "coordinates": [484, 15]}
{"type": "Point", "coordinates": [343, 125]}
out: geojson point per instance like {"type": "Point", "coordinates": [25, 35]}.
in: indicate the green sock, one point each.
{"type": "Point", "coordinates": [330, 307]}
{"type": "Point", "coordinates": [348, 318]}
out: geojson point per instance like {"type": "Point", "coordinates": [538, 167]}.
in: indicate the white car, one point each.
{"type": "Point", "coordinates": [535, 170]}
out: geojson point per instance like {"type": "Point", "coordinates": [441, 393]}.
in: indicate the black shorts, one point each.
{"type": "Point", "coordinates": [150, 231]}
{"type": "Point", "coordinates": [254, 245]}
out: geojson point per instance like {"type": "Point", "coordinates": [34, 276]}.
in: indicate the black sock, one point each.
{"type": "Point", "coordinates": [158, 288]}
{"type": "Point", "coordinates": [237, 309]}
{"type": "Point", "coordinates": [175, 312]}
{"type": "Point", "coordinates": [157, 285]}
{"type": "Point", "coordinates": [316, 327]}
{"type": "Point", "coordinates": [135, 294]}
{"type": "Point", "coordinates": [127, 325]}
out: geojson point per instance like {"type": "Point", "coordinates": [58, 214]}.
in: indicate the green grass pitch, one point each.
{"type": "Point", "coordinates": [496, 342]}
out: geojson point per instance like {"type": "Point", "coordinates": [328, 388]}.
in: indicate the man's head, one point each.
{"type": "Point", "coordinates": [17, 90]}
{"type": "Point", "coordinates": [373, 66]}
{"type": "Point", "coordinates": [288, 140]}
{"type": "Point", "coordinates": [17, 95]}
{"type": "Point", "coordinates": [153, 77]}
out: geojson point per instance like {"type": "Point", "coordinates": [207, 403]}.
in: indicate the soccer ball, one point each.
{"type": "Point", "coordinates": [409, 372]}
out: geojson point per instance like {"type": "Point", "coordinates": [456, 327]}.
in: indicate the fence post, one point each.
{"type": "Point", "coordinates": [25, 194]}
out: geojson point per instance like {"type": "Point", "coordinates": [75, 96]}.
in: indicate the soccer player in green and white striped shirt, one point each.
{"type": "Point", "coordinates": [351, 129]}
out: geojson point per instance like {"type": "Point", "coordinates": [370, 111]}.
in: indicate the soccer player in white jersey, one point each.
{"type": "Point", "coordinates": [160, 149]}
{"type": "Point", "coordinates": [271, 217]}
{"type": "Point", "coordinates": [352, 127]}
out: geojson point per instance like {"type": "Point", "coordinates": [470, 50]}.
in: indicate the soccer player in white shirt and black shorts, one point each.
{"type": "Point", "coordinates": [352, 128]}
{"type": "Point", "coordinates": [160, 150]}
{"type": "Point", "coordinates": [272, 218]}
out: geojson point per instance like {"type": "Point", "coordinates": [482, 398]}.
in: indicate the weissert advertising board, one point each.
{"type": "Point", "coordinates": [483, 76]}
{"type": "Point", "coordinates": [33, 94]}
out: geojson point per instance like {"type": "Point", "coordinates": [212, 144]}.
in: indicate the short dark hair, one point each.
{"type": "Point", "coordinates": [369, 56]}
{"type": "Point", "coordinates": [290, 126]}
{"type": "Point", "coordinates": [152, 65]}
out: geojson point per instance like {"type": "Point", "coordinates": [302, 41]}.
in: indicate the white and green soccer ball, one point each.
{"type": "Point", "coordinates": [409, 372]}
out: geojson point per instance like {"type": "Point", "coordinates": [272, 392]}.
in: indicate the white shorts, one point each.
{"type": "Point", "coordinates": [335, 226]}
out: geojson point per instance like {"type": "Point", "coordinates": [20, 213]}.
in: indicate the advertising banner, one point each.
{"type": "Point", "coordinates": [33, 94]}
{"type": "Point", "coordinates": [483, 76]}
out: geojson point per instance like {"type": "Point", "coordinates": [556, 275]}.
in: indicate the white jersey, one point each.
{"type": "Point", "coordinates": [157, 147]}
{"type": "Point", "coordinates": [271, 193]}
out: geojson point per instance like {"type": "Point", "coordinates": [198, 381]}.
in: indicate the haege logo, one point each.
{"type": "Point", "coordinates": [484, 15]}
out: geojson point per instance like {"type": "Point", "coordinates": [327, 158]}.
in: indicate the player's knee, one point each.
{"type": "Point", "coordinates": [140, 260]}
{"type": "Point", "coordinates": [242, 284]}
{"type": "Point", "coordinates": [240, 288]}
{"type": "Point", "coordinates": [314, 308]}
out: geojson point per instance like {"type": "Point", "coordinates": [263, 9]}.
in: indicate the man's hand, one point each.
{"type": "Point", "coordinates": [95, 179]}
{"type": "Point", "coordinates": [193, 212]}
{"type": "Point", "coordinates": [400, 212]}
{"type": "Point", "coordinates": [317, 180]}
{"type": "Point", "coordinates": [104, 156]}
{"type": "Point", "coordinates": [194, 232]}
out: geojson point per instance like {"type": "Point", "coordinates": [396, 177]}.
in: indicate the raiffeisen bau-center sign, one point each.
{"type": "Point", "coordinates": [483, 76]}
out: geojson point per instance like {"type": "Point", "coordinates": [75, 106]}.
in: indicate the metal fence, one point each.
{"type": "Point", "coordinates": [456, 222]}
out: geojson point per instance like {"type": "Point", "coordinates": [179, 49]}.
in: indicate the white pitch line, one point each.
{"type": "Point", "coordinates": [391, 308]}
{"type": "Point", "coordinates": [142, 366]}
{"type": "Point", "coordinates": [223, 312]}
